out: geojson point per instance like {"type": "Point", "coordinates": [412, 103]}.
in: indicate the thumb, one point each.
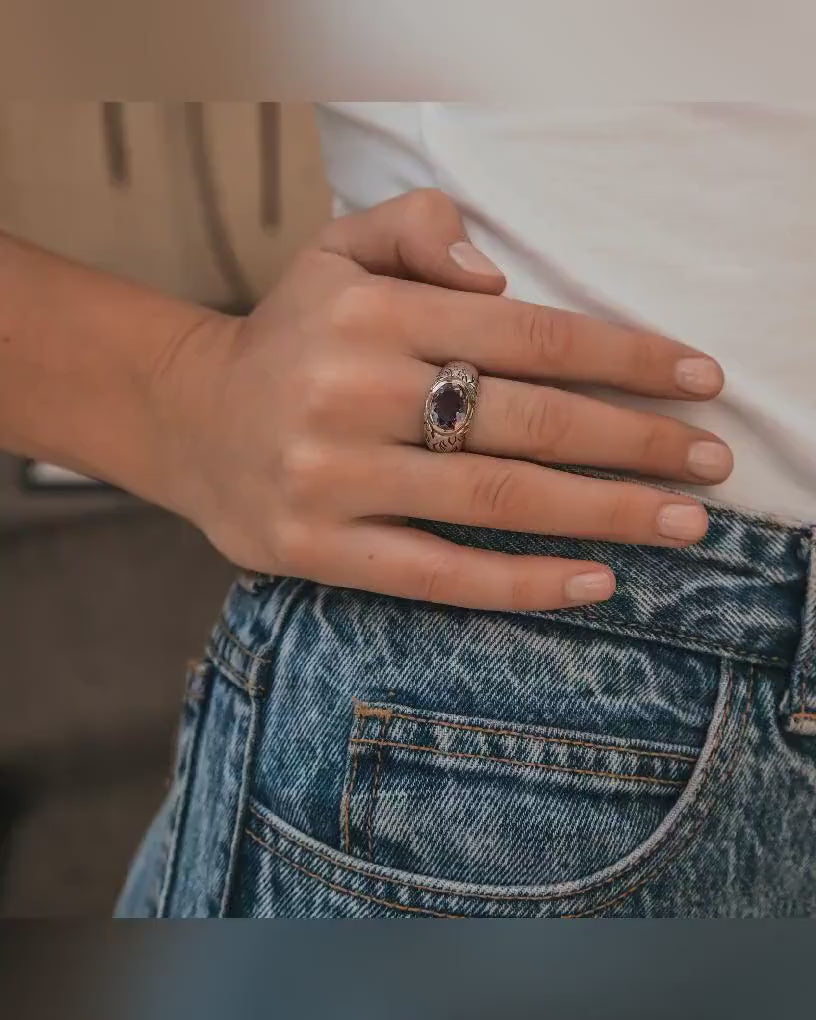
{"type": "Point", "coordinates": [417, 236]}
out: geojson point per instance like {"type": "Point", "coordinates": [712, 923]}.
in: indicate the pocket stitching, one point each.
{"type": "Point", "coordinates": [370, 741]}
{"type": "Point", "coordinates": [521, 734]}
{"type": "Point", "coordinates": [673, 857]}
{"type": "Point", "coordinates": [375, 788]}
{"type": "Point", "coordinates": [521, 897]}
{"type": "Point", "coordinates": [342, 889]}
{"type": "Point", "coordinates": [347, 803]}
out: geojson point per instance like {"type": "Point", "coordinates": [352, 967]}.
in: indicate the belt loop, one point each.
{"type": "Point", "coordinates": [802, 692]}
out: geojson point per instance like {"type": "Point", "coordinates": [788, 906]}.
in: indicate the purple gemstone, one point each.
{"type": "Point", "coordinates": [448, 407]}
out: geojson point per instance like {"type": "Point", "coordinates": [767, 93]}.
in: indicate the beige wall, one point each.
{"type": "Point", "coordinates": [55, 189]}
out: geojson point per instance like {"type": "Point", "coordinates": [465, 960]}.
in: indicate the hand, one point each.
{"type": "Point", "coordinates": [297, 439]}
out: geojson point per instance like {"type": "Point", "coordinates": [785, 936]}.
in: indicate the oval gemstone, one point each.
{"type": "Point", "coordinates": [448, 407]}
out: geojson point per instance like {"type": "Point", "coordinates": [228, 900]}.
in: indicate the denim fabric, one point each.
{"type": "Point", "coordinates": [344, 754]}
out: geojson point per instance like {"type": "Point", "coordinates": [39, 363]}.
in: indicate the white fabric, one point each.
{"type": "Point", "coordinates": [696, 220]}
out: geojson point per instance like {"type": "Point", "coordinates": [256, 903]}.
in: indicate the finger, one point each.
{"type": "Point", "coordinates": [553, 426]}
{"type": "Point", "coordinates": [526, 341]}
{"type": "Point", "coordinates": [464, 488]}
{"type": "Point", "coordinates": [419, 236]}
{"type": "Point", "coordinates": [407, 563]}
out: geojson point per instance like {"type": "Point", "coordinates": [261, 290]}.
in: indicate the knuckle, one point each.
{"type": "Point", "coordinates": [358, 308]}
{"type": "Point", "coordinates": [304, 468]}
{"type": "Point", "coordinates": [652, 444]}
{"type": "Point", "coordinates": [428, 203]}
{"type": "Point", "coordinates": [437, 579]}
{"type": "Point", "coordinates": [644, 360]}
{"type": "Point", "coordinates": [548, 333]}
{"type": "Point", "coordinates": [495, 493]}
{"type": "Point", "coordinates": [323, 388]}
{"type": "Point", "coordinates": [622, 517]}
{"type": "Point", "coordinates": [546, 423]}
{"type": "Point", "coordinates": [522, 592]}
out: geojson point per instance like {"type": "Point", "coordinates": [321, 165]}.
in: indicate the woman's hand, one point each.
{"type": "Point", "coordinates": [296, 435]}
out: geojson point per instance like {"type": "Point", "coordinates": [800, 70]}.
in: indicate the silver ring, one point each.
{"type": "Point", "coordinates": [450, 406]}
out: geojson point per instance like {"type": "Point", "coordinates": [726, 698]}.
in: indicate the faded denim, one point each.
{"type": "Point", "coordinates": [344, 754]}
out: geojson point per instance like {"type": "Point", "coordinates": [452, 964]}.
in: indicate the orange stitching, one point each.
{"type": "Point", "coordinates": [347, 807]}
{"type": "Point", "coordinates": [653, 874]}
{"type": "Point", "coordinates": [233, 675]}
{"type": "Point", "coordinates": [365, 711]}
{"type": "Point", "coordinates": [513, 761]}
{"type": "Point", "coordinates": [537, 737]}
{"type": "Point", "coordinates": [342, 889]}
{"type": "Point", "coordinates": [222, 623]}
{"type": "Point", "coordinates": [507, 897]}
{"type": "Point", "coordinates": [804, 715]}
{"type": "Point", "coordinates": [372, 802]}
{"type": "Point", "coordinates": [374, 791]}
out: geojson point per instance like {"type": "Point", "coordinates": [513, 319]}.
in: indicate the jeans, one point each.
{"type": "Point", "coordinates": [344, 754]}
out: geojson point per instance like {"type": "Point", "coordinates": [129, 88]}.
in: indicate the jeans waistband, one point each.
{"type": "Point", "coordinates": [743, 591]}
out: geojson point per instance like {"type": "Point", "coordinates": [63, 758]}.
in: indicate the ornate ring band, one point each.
{"type": "Point", "coordinates": [450, 406]}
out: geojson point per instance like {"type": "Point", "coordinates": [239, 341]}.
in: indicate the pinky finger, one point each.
{"type": "Point", "coordinates": [393, 559]}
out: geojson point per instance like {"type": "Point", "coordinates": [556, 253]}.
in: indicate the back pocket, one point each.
{"type": "Point", "coordinates": [485, 801]}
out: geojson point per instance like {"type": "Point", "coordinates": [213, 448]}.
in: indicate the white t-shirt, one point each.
{"type": "Point", "coordinates": [695, 220]}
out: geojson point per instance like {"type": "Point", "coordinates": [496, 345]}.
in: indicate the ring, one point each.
{"type": "Point", "coordinates": [450, 406]}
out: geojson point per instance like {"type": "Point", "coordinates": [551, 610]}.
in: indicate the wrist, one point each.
{"type": "Point", "coordinates": [97, 373]}
{"type": "Point", "coordinates": [182, 386]}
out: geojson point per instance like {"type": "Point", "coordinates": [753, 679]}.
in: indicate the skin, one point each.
{"type": "Point", "coordinates": [293, 438]}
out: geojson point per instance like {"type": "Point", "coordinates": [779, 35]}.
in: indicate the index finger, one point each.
{"type": "Point", "coordinates": [521, 340]}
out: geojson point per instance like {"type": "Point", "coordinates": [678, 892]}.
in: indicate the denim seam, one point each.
{"type": "Point", "coordinates": [807, 667]}
{"type": "Point", "coordinates": [199, 697]}
{"type": "Point", "coordinates": [355, 763]}
{"type": "Point", "coordinates": [645, 632]}
{"type": "Point", "coordinates": [609, 622]}
{"type": "Point", "coordinates": [342, 889]}
{"type": "Point", "coordinates": [508, 897]}
{"type": "Point", "coordinates": [222, 623]}
{"type": "Point", "coordinates": [245, 675]}
{"type": "Point", "coordinates": [375, 785]}
{"type": "Point", "coordinates": [696, 828]}
{"type": "Point", "coordinates": [498, 732]}
{"type": "Point", "coordinates": [182, 804]}
{"type": "Point", "coordinates": [229, 673]}
{"type": "Point", "coordinates": [373, 742]}
{"type": "Point", "coordinates": [254, 689]}
{"type": "Point", "coordinates": [240, 807]}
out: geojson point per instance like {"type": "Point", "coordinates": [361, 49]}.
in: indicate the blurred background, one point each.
{"type": "Point", "coordinates": [103, 600]}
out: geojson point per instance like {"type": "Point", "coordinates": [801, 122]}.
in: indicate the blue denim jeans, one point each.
{"type": "Point", "coordinates": [344, 754]}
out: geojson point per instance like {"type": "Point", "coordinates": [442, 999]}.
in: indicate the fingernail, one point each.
{"type": "Point", "coordinates": [472, 260]}
{"type": "Point", "coordinates": [698, 375]}
{"type": "Point", "coordinates": [683, 521]}
{"type": "Point", "coordinates": [709, 461]}
{"type": "Point", "coordinates": [591, 587]}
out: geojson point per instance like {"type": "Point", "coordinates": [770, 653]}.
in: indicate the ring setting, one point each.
{"type": "Point", "coordinates": [449, 407]}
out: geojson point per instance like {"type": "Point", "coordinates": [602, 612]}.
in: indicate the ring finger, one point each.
{"type": "Point", "coordinates": [554, 426]}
